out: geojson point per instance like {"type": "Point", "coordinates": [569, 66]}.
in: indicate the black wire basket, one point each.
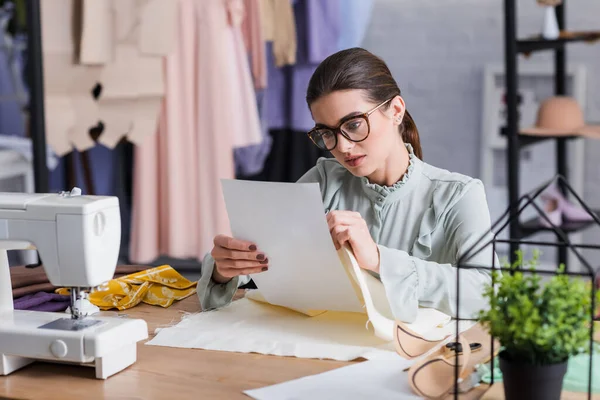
{"type": "Point", "coordinates": [513, 213]}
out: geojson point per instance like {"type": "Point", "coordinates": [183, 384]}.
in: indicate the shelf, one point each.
{"type": "Point", "coordinates": [532, 226]}
{"type": "Point", "coordinates": [537, 43]}
{"type": "Point", "coordinates": [526, 140]}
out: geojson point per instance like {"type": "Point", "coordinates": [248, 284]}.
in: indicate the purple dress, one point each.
{"type": "Point", "coordinates": [318, 24]}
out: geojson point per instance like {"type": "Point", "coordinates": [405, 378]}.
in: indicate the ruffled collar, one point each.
{"type": "Point", "coordinates": [398, 189]}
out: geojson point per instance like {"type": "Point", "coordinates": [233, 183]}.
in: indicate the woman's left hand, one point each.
{"type": "Point", "coordinates": [350, 227]}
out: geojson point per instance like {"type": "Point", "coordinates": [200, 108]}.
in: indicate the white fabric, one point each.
{"type": "Point", "coordinates": [247, 326]}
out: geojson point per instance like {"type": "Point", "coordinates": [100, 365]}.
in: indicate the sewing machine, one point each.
{"type": "Point", "coordinates": [78, 239]}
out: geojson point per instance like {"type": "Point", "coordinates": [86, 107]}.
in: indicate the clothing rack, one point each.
{"type": "Point", "coordinates": [516, 141]}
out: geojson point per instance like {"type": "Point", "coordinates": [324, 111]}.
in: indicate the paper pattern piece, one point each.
{"type": "Point", "coordinates": [376, 379]}
{"type": "Point", "coordinates": [431, 324]}
{"type": "Point", "coordinates": [375, 299]}
{"type": "Point", "coordinates": [287, 221]}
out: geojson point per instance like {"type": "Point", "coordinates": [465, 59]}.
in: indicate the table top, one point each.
{"type": "Point", "coordinates": [160, 372]}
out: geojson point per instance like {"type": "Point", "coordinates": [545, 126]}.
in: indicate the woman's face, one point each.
{"type": "Point", "coordinates": [369, 156]}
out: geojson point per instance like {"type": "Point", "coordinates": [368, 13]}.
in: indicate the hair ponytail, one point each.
{"type": "Point", "coordinates": [410, 134]}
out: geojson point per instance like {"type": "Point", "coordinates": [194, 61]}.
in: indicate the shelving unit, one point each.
{"type": "Point", "coordinates": [527, 46]}
{"type": "Point", "coordinates": [514, 47]}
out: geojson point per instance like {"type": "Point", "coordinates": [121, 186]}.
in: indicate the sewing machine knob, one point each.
{"type": "Point", "coordinates": [58, 348]}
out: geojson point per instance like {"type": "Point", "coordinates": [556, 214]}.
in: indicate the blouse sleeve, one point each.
{"type": "Point", "coordinates": [212, 294]}
{"type": "Point", "coordinates": [411, 282]}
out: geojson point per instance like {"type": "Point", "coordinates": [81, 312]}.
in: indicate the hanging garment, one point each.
{"type": "Point", "coordinates": [129, 40]}
{"type": "Point", "coordinates": [270, 32]}
{"type": "Point", "coordinates": [250, 160]}
{"type": "Point", "coordinates": [209, 109]}
{"type": "Point", "coordinates": [318, 30]}
{"type": "Point", "coordinates": [292, 155]}
{"type": "Point", "coordinates": [279, 27]}
{"type": "Point", "coordinates": [286, 114]}
{"type": "Point", "coordinates": [356, 15]}
{"type": "Point", "coordinates": [318, 22]}
{"type": "Point", "coordinates": [255, 42]}
{"type": "Point", "coordinates": [70, 109]}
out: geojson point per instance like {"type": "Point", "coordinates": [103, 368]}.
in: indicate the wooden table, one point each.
{"type": "Point", "coordinates": [165, 372]}
{"type": "Point", "coordinates": [162, 372]}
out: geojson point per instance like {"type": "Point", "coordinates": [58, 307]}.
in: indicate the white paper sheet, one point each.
{"type": "Point", "coordinates": [287, 221]}
{"type": "Point", "coordinates": [376, 379]}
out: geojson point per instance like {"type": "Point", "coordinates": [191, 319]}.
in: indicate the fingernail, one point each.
{"type": "Point", "coordinates": [260, 256]}
{"type": "Point", "coordinates": [252, 247]}
{"type": "Point", "coordinates": [265, 261]}
{"type": "Point", "coordinates": [265, 268]}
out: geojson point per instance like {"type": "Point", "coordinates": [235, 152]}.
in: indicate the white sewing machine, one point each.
{"type": "Point", "coordinates": [78, 239]}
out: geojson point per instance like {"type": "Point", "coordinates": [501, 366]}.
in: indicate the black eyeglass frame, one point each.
{"type": "Point", "coordinates": [338, 129]}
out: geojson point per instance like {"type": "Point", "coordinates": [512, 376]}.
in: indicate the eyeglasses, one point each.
{"type": "Point", "coordinates": [355, 128]}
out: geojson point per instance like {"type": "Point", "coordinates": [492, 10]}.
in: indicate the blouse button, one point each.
{"type": "Point", "coordinates": [380, 199]}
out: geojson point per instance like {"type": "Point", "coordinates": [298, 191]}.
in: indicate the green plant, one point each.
{"type": "Point", "coordinates": [538, 323]}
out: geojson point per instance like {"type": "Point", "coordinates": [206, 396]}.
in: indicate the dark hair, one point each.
{"type": "Point", "coordinates": [357, 68]}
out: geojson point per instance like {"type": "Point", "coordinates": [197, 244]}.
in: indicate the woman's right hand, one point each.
{"type": "Point", "coordinates": [234, 257]}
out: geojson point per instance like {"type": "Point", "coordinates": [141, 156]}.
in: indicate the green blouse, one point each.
{"type": "Point", "coordinates": [422, 224]}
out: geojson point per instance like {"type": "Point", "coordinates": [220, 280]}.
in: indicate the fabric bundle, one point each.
{"type": "Point", "coordinates": [32, 290]}
{"type": "Point", "coordinates": [159, 286]}
{"type": "Point", "coordinates": [42, 301]}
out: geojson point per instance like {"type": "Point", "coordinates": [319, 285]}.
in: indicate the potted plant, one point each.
{"type": "Point", "coordinates": [539, 326]}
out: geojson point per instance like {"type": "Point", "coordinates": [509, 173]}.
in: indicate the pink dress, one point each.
{"type": "Point", "coordinates": [255, 42]}
{"type": "Point", "coordinates": [209, 108]}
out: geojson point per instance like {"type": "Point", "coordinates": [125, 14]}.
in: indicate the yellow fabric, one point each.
{"type": "Point", "coordinates": [159, 286]}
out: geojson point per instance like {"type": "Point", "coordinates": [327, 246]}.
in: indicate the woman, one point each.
{"type": "Point", "coordinates": [406, 221]}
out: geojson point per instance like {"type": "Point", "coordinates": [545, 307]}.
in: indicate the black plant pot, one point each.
{"type": "Point", "coordinates": [531, 382]}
